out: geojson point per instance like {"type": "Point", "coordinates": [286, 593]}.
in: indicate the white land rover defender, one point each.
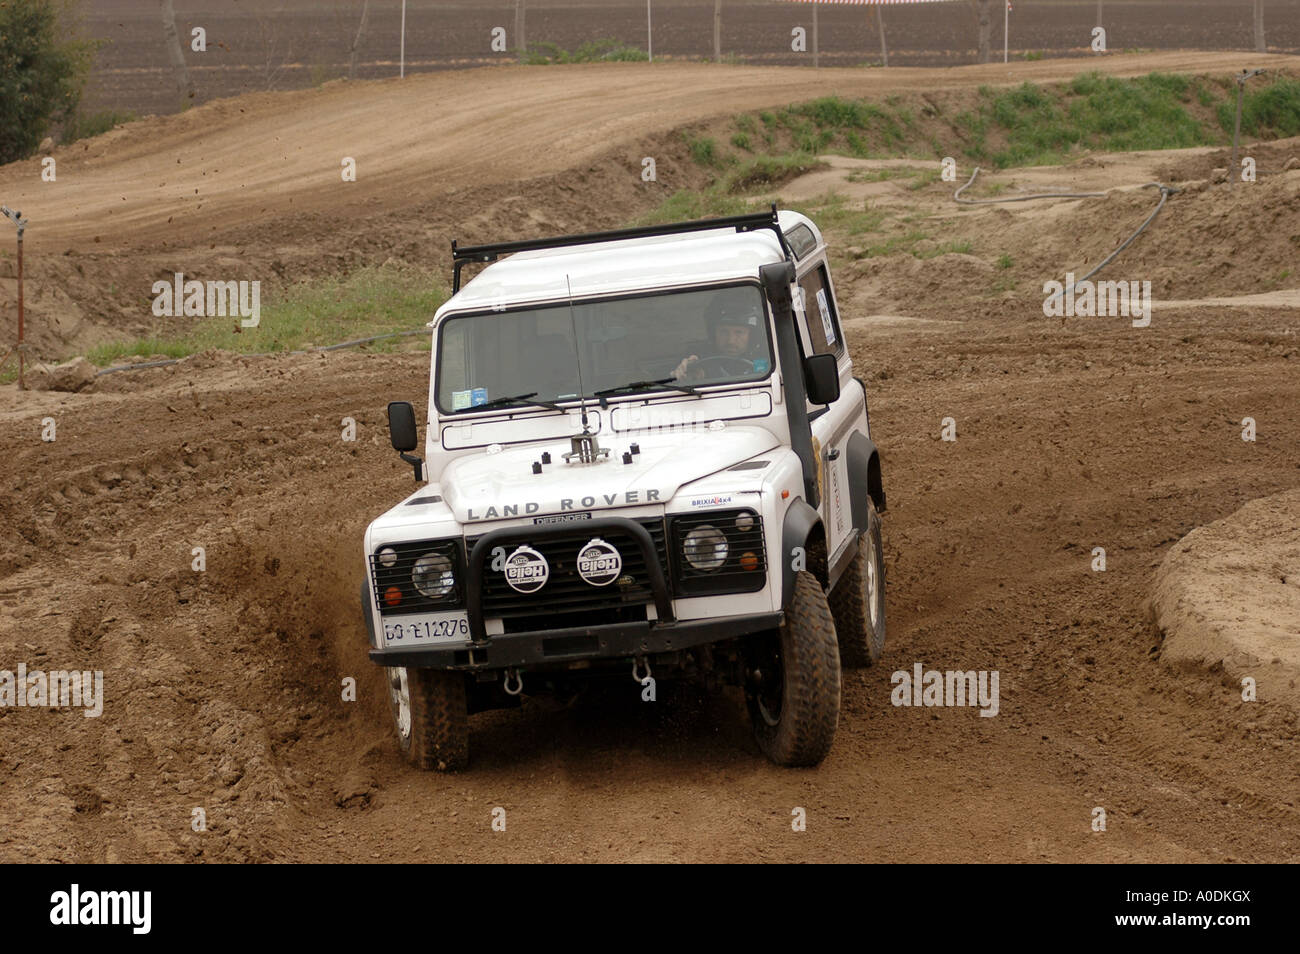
{"type": "Point", "coordinates": [646, 452]}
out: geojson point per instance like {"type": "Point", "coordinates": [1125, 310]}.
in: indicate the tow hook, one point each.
{"type": "Point", "coordinates": [636, 665]}
{"type": "Point", "coordinates": [519, 682]}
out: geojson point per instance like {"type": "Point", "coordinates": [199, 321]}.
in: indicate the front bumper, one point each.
{"type": "Point", "coordinates": [563, 646]}
{"type": "Point", "coordinates": [589, 642]}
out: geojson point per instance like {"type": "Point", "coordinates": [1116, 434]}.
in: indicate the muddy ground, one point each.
{"type": "Point", "coordinates": [224, 688]}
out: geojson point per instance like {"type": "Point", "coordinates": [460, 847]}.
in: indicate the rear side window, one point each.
{"type": "Point", "coordinates": [801, 240]}
{"type": "Point", "coordinates": [819, 307]}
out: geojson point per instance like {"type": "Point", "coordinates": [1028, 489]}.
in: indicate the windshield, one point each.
{"type": "Point", "coordinates": [661, 342]}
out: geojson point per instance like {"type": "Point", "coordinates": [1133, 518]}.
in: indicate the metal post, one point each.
{"type": "Point", "coordinates": [22, 356]}
{"type": "Point", "coordinates": [402, 75]}
{"type": "Point", "coordinates": [717, 31]}
{"type": "Point", "coordinates": [1236, 129]}
{"type": "Point", "coordinates": [21, 223]}
{"type": "Point", "coordinates": [1006, 25]}
{"type": "Point", "coordinates": [884, 50]}
{"type": "Point", "coordinates": [521, 41]}
{"type": "Point", "coordinates": [816, 45]}
{"type": "Point", "coordinates": [649, 34]}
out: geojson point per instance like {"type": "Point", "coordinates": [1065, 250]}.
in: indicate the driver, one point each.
{"type": "Point", "coordinates": [734, 334]}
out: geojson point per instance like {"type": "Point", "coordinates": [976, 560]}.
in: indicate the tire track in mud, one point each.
{"type": "Point", "coordinates": [1150, 478]}
{"type": "Point", "coordinates": [217, 680]}
{"type": "Point", "coordinates": [224, 687]}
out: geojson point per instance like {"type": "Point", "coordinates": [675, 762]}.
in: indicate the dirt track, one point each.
{"type": "Point", "coordinates": [173, 181]}
{"type": "Point", "coordinates": [224, 687]}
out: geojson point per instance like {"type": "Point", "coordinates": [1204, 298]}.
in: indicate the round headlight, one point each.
{"type": "Point", "coordinates": [433, 577]}
{"type": "Point", "coordinates": [387, 556]}
{"type": "Point", "coordinates": [744, 521]}
{"type": "Point", "coordinates": [705, 548]}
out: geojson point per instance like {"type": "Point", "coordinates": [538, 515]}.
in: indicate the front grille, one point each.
{"type": "Point", "coordinates": [731, 577]}
{"type": "Point", "coordinates": [398, 576]}
{"type": "Point", "coordinates": [565, 592]}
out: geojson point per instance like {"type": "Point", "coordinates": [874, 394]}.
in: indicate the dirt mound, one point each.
{"type": "Point", "coordinates": [1208, 241]}
{"type": "Point", "coordinates": [1228, 595]}
{"type": "Point", "coordinates": [1270, 158]}
{"type": "Point", "coordinates": [250, 188]}
{"type": "Point", "coordinates": [904, 281]}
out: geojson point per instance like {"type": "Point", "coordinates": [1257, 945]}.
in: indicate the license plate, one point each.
{"type": "Point", "coordinates": [427, 628]}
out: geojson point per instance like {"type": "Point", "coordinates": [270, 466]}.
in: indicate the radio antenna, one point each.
{"type": "Point", "coordinates": [577, 355]}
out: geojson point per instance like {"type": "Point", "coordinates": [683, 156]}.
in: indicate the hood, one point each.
{"type": "Point", "coordinates": [497, 486]}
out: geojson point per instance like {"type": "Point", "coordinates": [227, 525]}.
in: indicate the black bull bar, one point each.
{"type": "Point", "coordinates": [510, 535]}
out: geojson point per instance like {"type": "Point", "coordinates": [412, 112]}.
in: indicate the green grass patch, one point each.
{"type": "Point", "coordinates": [1025, 125]}
{"type": "Point", "coordinates": [370, 301]}
{"type": "Point", "coordinates": [86, 125]}
{"type": "Point", "coordinates": [832, 211]}
{"type": "Point", "coordinates": [883, 175]}
{"type": "Point", "coordinates": [1041, 125]}
{"type": "Point", "coordinates": [1272, 111]}
{"type": "Point", "coordinates": [926, 177]}
{"type": "Point", "coordinates": [957, 246]}
{"type": "Point", "coordinates": [763, 171]}
{"type": "Point", "coordinates": [703, 149]}
{"type": "Point", "coordinates": [687, 205]}
{"type": "Point", "coordinates": [603, 50]}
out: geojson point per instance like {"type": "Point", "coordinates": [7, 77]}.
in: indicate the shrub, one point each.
{"type": "Point", "coordinates": [42, 72]}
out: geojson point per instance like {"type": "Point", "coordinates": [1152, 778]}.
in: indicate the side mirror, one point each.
{"type": "Point", "coordinates": [403, 434]}
{"type": "Point", "coordinates": [821, 375]}
{"type": "Point", "coordinates": [401, 426]}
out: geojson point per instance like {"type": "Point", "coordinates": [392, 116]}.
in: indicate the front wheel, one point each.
{"type": "Point", "coordinates": [431, 715]}
{"type": "Point", "coordinates": [858, 600]}
{"type": "Point", "coordinates": [793, 685]}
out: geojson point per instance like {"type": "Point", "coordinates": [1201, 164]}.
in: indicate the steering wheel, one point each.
{"type": "Point", "coordinates": [726, 366]}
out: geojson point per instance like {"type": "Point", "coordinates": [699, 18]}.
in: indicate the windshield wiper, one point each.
{"type": "Point", "coordinates": [644, 385]}
{"type": "Point", "coordinates": [516, 399]}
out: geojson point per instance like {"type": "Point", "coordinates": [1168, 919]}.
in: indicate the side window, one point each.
{"type": "Point", "coordinates": [801, 240]}
{"type": "Point", "coordinates": [819, 308]}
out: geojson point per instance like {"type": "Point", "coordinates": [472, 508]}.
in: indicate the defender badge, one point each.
{"type": "Point", "coordinates": [599, 563]}
{"type": "Point", "coordinates": [526, 570]}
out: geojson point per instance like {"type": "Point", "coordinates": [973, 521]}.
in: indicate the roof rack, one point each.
{"type": "Point", "coordinates": [489, 253]}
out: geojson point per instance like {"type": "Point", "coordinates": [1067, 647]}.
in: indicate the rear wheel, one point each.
{"type": "Point", "coordinates": [793, 687]}
{"type": "Point", "coordinates": [431, 716]}
{"type": "Point", "coordinates": [858, 600]}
